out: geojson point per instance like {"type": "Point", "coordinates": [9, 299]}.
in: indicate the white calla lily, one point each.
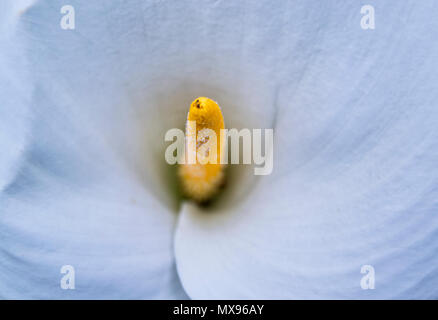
{"type": "Point", "coordinates": [83, 180]}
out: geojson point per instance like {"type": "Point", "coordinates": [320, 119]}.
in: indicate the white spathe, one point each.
{"type": "Point", "coordinates": [83, 180]}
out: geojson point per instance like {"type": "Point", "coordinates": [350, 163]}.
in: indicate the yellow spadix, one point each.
{"type": "Point", "coordinates": [202, 173]}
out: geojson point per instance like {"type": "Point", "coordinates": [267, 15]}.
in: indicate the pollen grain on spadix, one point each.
{"type": "Point", "coordinates": [202, 173]}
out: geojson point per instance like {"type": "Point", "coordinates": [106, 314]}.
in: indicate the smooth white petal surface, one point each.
{"type": "Point", "coordinates": [355, 179]}
{"type": "Point", "coordinates": [78, 185]}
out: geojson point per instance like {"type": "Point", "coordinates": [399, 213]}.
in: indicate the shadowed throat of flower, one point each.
{"type": "Point", "coordinates": [209, 169]}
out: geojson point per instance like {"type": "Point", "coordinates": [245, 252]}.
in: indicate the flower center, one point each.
{"type": "Point", "coordinates": [202, 177]}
